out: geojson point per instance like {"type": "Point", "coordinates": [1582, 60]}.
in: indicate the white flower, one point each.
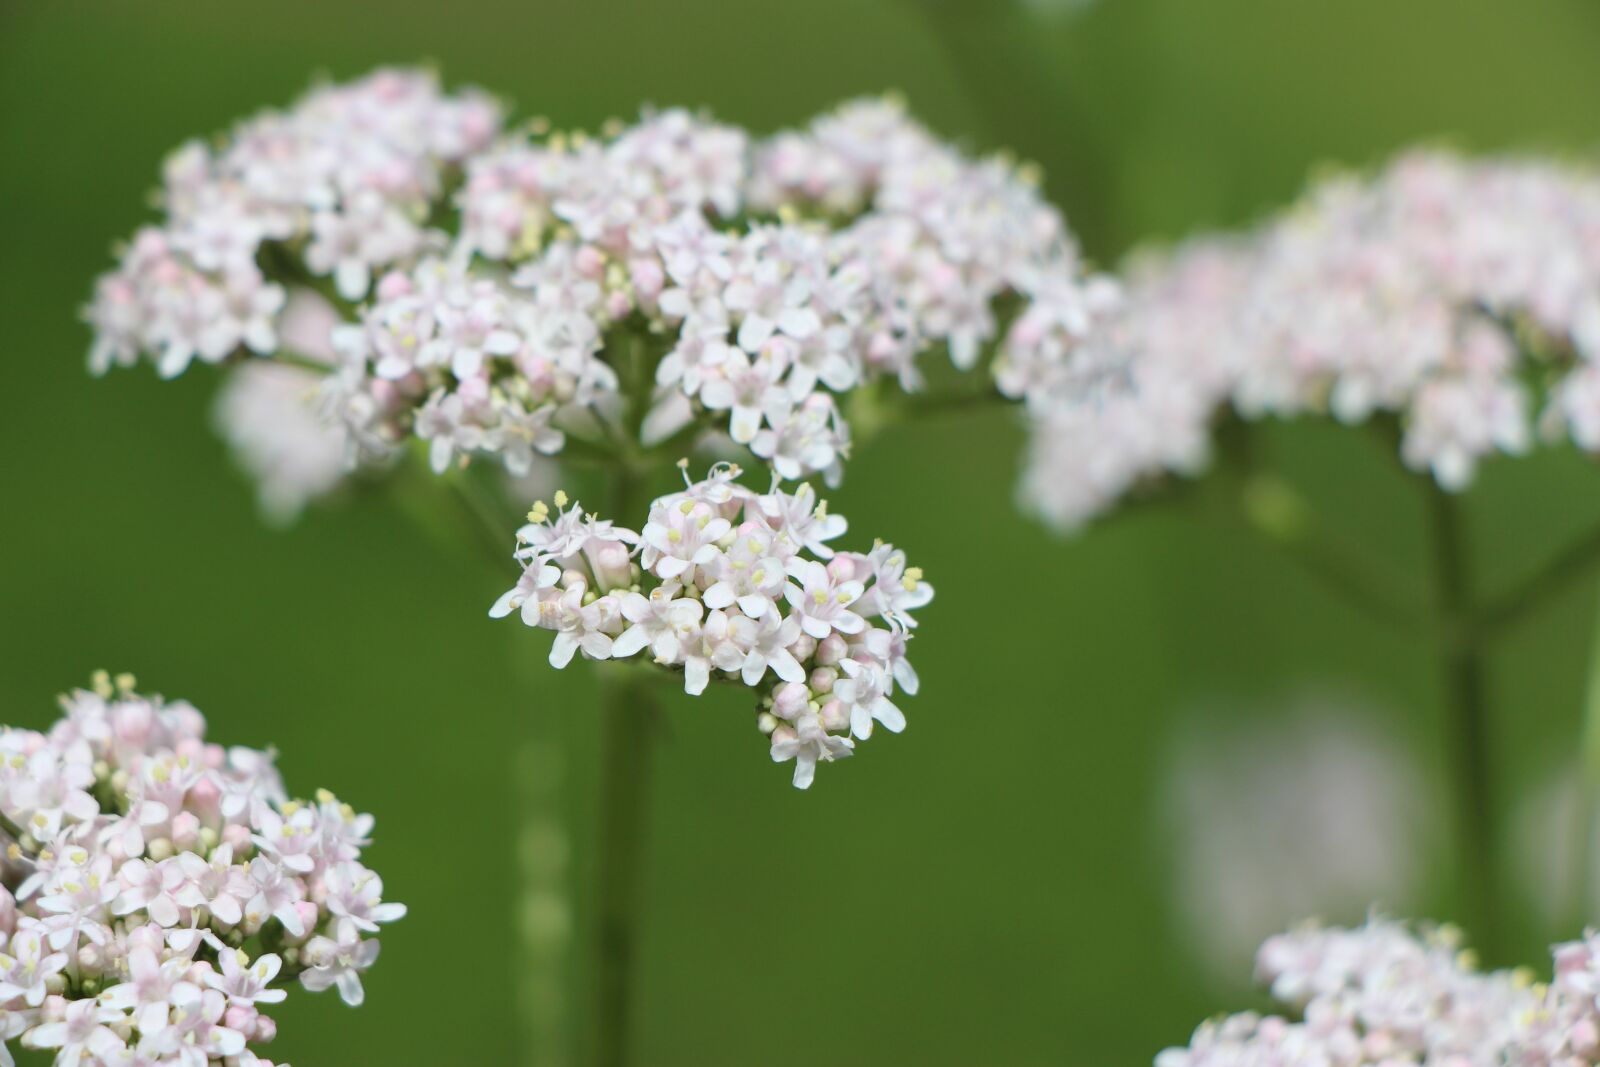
{"type": "Point", "coordinates": [747, 573]}
{"type": "Point", "coordinates": [246, 983]}
{"type": "Point", "coordinates": [356, 893]}
{"type": "Point", "coordinates": [26, 968]}
{"type": "Point", "coordinates": [81, 1036]}
{"type": "Point", "coordinates": [766, 641]}
{"type": "Point", "coordinates": [806, 742]}
{"type": "Point", "coordinates": [823, 602]}
{"type": "Point", "coordinates": [680, 538]}
{"type": "Point", "coordinates": [660, 622]}
{"type": "Point", "coordinates": [864, 691]}
{"type": "Point", "coordinates": [339, 961]}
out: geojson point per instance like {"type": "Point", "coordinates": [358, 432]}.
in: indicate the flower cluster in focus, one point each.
{"type": "Point", "coordinates": [340, 186]}
{"type": "Point", "coordinates": [1461, 296]}
{"type": "Point", "coordinates": [159, 890]}
{"type": "Point", "coordinates": [726, 583]}
{"type": "Point", "coordinates": [499, 295]}
{"type": "Point", "coordinates": [1386, 996]}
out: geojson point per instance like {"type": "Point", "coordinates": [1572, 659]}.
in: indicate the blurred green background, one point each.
{"type": "Point", "coordinates": [993, 887]}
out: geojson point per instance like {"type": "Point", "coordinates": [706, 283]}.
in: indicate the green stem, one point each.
{"type": "Point", "coordinates": [629, 717]}
{"type": "Point", "coordinates": [1461, 656]}
{"type": "Point", "coordinates": [1565, 568]}
{"type": "Point", "coordinates": [629, 710]}
{"type": "Point", "coordinates": [1588, 793]}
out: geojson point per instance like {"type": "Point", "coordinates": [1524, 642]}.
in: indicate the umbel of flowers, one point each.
{"type": "Point", "coordinates": [510, 293]}
{"type": "Point", "coordinates": [740, 586]}
{"type": "Point", "coordinates": [1386, 995]}
{"type": "Point", "coordinates": [1462, 297]}
{"type": "Point", "coordinates": [158, 891]}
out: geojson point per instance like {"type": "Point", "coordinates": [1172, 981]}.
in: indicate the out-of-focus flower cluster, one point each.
{"type": "Point", "coordinates": [339, 186]}
{"type": "Point", "coordinates": [1305, 809]}
{"type": "Point", "coordinates": [1383, 994]}
{"type": "Point", "coordinates": [726, 583]}
{"type": "Point", "coordinates": [158, 890]}
{"type": "Point", "coordinates": [1463, 296]}
{"type": "Point", "coordinates": [673, 278]}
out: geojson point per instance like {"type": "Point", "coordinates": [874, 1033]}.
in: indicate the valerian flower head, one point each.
{"type": "Point", "coordinates": [499, 293]}
{"type": "Point", "coordinates": [166, 888]}
{"type": "Point", "coordinates": [1382, 995]}
{"type": "Point", "coordinates": [727, 586]}
{"type": "Point", "coordinates": [1460, 298]}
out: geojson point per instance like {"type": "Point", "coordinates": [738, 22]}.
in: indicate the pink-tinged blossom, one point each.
{"type": "Point", "coordinates": [499, 319]}
{"type": "Point", "coordinates": [197, 855]}
{"type": "Point", "coordinates": [1383, 994]}
{"type": "Point", "coordinates": [735, 586]}
{"type": "Point", "coordinates": [1459, 297]}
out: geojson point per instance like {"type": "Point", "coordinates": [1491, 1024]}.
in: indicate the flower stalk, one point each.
{"type": "Point", "coordinates": [1461, 652]}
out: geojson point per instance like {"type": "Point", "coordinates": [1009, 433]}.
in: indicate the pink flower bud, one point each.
{"type": "Point", "coordinates": [237, 836]}
{"type": "Point", "coordinates": [185, 831]}
{"type": "Point", "coordinates": [830, 650]}
{"type": "Point", "coordinates": [648, 277]}
{"type": "Point", "coordinates": [612, 564]}
{"type": "Point", "coordinates": [822, 679]}
{"type": "Point", "coordinates": [841, 568]}
{"type": "Point", "coordinates": [309, 914]}
{"type": "Point", "coordinates": [91, 958]}
{"type": "Point", "coordinates": [266, 1030]}
{"type": "Point", "coordinates": [790, 700]}
{"type": "Point", "coordinates": [834, 716]}
{"type": "Point", "coordinates": [8, 911]}
{"type": "Point", "coordinates": [804, 645]}
{"type": "Point", "coordinates": [394, 285]}
{"type": "Point", "coordinates": [590, 261]}
{"type": "Point", "coordinates": [241, 1017]}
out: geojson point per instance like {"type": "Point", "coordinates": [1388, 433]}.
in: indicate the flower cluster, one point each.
{"type": "Point", "coordinates": [727, 583]}
{"type": "Point", "coordinates": [673, 279]}
{"type": "Point", "coordinates": [157, 889]}
{"type": "Point", "coordinates": [340, 185]}
{"type": "Point", "coordinates": [1306, 808]}
{"type": "Point", "coordinates": [1385, 996]}
{"type": "Point", "coordinates": [1461, 296]}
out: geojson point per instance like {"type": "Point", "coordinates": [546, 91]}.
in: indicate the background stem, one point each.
{"type": "Point", "coordinates": [1461, 655]}
{"type": "Point", "coordinates": [629, 710]}
{"type": "Point", "coordinates": [1588, 794]}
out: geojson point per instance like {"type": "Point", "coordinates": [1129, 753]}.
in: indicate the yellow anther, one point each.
{"type": "Point", "coordinates": [100, 681]}
{"type": "Point", "coordinates": [820, 597]}
{"type": "Point", "coordinates": [160, 773]}
{"type": "Point", "coordinates": [290, 808]}
{"type": "Point", "coordinates": [40, 820]}
{"type": "Point", "coordinates": [325, 797]}
{"type": "Point", "coordinates": [686, 506]}
{"type": "Point", "coordinates": [683, 464]}
{"type": "Point", "coordinates": [842, 597]}
{"type": "Point", "coordinates": [126, 682]}
{"type": "Point", "coordinates": [674, 536]}
{"type": "Point", "coordinates": [13, 852]}
{"type": "Point", "coordinates": [347, 813]}
{"type": "Point", "coordinates": [560, 498]}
